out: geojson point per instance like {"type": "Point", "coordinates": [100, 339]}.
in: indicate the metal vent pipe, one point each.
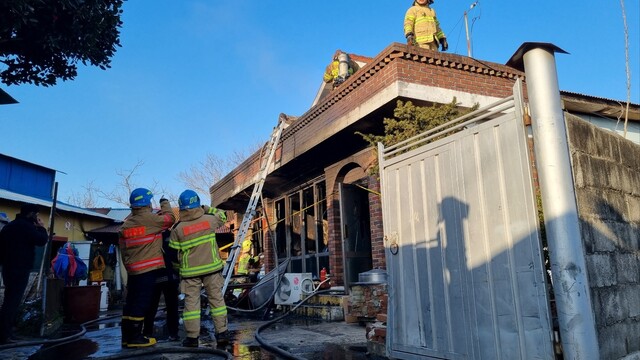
{"type": "Point", "coordinates": [566, 252]}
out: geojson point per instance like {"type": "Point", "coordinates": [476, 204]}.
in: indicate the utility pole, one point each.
{"type": "Point", "coordinates": [466, 28]}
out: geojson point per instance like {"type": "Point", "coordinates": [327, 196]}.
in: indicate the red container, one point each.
{"type": "Point", "coordinates": [81, 303]}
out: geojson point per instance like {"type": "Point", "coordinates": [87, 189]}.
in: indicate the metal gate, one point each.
{"type": "Point", "coordinates": [466, 274]}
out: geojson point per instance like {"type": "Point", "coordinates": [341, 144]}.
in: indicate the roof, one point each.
{"type": "Point", "coordinates": [114, 228]}
{"type": "Point", "coordinates": [9, 195]}
{"type": "Point", "coordinates": [108, 229]}
{"type": "Point", "coordinates": [325, 131]}
{"type": "Point", "coordinates": [589, 104]}
{"type": "Point", "coordinates": [119, 214]}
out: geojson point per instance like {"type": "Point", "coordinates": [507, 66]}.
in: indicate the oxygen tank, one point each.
{"type": "Point", "coordinates": [343, 67]}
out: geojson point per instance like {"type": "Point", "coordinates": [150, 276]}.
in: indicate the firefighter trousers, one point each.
{"type": "Point", "coordinates": [139, 292]}
{"type": "Point", "coordinates": [191, 287]}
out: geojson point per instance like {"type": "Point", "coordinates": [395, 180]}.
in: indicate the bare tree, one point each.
{"type": "Point", "coordinates": [87, 198]}
{"type": "Point", "coordinates": [119, 194]}
{"type": "Point", "coordinates": [201, 176]}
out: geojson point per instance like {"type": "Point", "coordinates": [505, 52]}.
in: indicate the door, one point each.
{"type": "Point", "coordinates": [464, 257]}
{"type": "Point", "coordinates": [356, 233]}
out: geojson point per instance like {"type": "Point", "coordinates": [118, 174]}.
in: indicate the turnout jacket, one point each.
{"type": "Point", "coordinates": [141, 238]}
{"type": "Point", "coordinates": [421, 21]}
{"type": "Point", "coordinates": [332, 71]}
{"type": "Point", "coordinates": [195, 239]}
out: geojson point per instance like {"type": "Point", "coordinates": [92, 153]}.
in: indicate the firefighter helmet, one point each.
{"type": "Point", "coordinates": [188, 200]}
{"type": "Point", "coordinates": [140, 197]}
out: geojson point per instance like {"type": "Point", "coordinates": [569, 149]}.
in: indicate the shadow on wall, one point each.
{"type": "Point", "coordinates": [489, 297]}
{"type": "Point", "coordinates": [612, 245]}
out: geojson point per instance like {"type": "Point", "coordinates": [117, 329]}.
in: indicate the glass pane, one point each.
{"type": "Point", "coordinates": [322, 226]}
{"type": "Point", "coordinates": [296, 224]}
{"type": "Point", "coordinates": [281, 229]}
{"type": "Point", "coordinates": [308, 206]}
{"type": "Point", "coordinates": [311, 266]}
{"type": "Point", "coordinates": [296, 265]}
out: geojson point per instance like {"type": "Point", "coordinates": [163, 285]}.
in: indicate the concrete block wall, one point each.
{"type": "Point", "coordinates": [606, 170]}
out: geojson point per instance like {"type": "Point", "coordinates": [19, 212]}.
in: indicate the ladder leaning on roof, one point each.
{"type": "Point", "coordinates": [253, 201]}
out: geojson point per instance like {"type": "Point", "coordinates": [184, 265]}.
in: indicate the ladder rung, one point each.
{"type": "Point", "coordinates": [253, 201]}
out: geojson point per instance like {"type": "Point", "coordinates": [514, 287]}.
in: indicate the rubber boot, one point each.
{"type": "Point", "coordinates": [125, 329]}
{"type": "Point", "coordinates": [223, 338]}
{"type": "Point", "coordinates": [190, 342]}
{"type": "Point", "coordinates": [136, 339]}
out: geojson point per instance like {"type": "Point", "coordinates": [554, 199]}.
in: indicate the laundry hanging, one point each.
{"type": "Point", "coordinates": [67, 265]}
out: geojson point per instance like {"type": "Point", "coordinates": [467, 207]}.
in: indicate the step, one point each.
{"type": "Point", "coordinates": [327, 307]}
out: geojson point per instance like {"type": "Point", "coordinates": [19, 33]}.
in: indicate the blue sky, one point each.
{"type": "Point", "coordinates": [195, 77]}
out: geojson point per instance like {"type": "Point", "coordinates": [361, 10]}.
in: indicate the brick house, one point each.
{"type": "Point", "coordinates": [320, 202]}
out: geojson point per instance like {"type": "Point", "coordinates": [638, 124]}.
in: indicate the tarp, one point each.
{"type": "Point", "coordinates": [67, 265]}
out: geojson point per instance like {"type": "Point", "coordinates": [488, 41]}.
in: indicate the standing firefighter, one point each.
{"type": "Point", "coordinates": [245, 260]}
{"type": "Point", "coordinates": [200, 265]}
{"type": "Point", "coordinates": [141, 246]}
{"type": "Point", "coordinates": [421, 27]}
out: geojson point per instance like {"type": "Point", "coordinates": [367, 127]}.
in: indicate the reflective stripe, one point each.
{"type": "Point", "coordinates": [198, 241]}
{"type": "Point", "coordinates": [220, 213]}
{"type": "Point", "coordinates": [191, 315]}
{"type": "Point", "coordinates": [132, 318]}
{"type": "Point", "coordinates": [175, 244]}
{"type": "Point", "coordinates": [423, 19]}
{"type": "Point", "coordinates": [145, 264]}
{"type": "Point", "coordinates": [131, 242]}
{"type": "Point", "coordinates": [199, 270]}
{"type": "Point", "coordinates": [219, 311]}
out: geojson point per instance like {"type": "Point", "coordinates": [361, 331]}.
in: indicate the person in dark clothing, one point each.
{"type": "Point", "coordinates": [167, 284]}
{"type": "Point", "coordinates": [18, 241]}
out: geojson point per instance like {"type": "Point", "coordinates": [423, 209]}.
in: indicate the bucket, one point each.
{"type": "Point", "coordinates": [81, 303]}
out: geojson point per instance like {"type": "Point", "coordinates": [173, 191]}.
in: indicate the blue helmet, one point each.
{"type": "Point", "coordinates": [188, 200]}
{"type": "Point", "coordinates": [140, 197]}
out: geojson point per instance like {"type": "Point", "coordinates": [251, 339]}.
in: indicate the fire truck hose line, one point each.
{"type": "Point", "coordinates": [274, 349]}
{"type": "Point", "coordinates": [125, 355]}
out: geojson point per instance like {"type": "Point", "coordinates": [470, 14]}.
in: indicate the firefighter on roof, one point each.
{"type": "Point", "coordinates": [421, 27]}
{"type": "Point", "coordinates": [340, 69]}
{"type": "Point", "coordinates": [200, 265]}
{"type": "Point", "coordinates": [141, 246]}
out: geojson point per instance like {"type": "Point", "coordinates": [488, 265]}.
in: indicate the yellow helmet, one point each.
{"type": "Point", "coordinates": [246, 245]}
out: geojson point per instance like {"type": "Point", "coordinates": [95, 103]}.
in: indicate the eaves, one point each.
{"type": "Point", "coordinates": [397, 72]}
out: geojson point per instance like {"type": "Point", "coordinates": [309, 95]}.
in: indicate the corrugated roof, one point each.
{"type": "Point", "coordinates": [119, 214]}
{"type": "Point", "coordinates": [9, 195]}
{"type": "Point", "coordinates": [570, 93]}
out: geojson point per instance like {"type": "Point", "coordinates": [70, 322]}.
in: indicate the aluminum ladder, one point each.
{"type": "Point", "coordinates": [249, 214]}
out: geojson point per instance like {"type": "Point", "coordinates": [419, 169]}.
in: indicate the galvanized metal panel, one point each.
{"type": "Point", "coordinates": [466, 277]}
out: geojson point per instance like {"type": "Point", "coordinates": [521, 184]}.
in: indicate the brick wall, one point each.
{"type": "Point", "coordinates": [375, 211]}
{"type": "Point", "coordinates": [395, 63]}
{"type": "Point", "coordinates": [606, 169]}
